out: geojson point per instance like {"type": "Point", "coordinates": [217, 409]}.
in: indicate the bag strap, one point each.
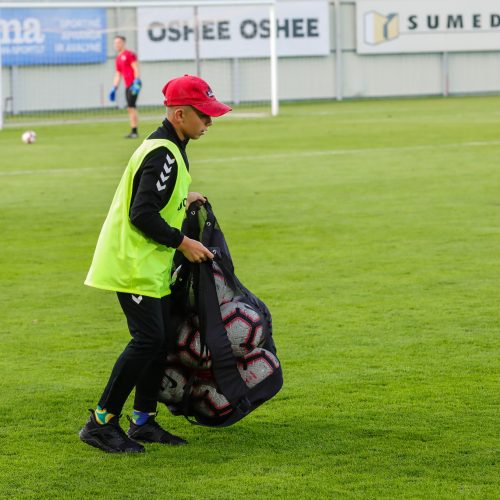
{"type": "Point", "coordinates": [212, 331]}
{"type": "Point", "coordinates": [185, 400]}
{"type": "Point", "coordinates": [224, 365]}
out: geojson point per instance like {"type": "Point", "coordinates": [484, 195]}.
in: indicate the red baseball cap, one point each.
{"type": "Point", "coordinates": [190, 90]}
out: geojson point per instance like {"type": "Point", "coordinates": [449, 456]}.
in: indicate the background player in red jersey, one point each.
{"type": "Point", "coordinates": [127, 67]}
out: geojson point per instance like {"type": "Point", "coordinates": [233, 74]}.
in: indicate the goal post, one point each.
{"type": "Point", "coordinates": [274, 59]}
{"type": "Point", "coordinates": [67, 67]}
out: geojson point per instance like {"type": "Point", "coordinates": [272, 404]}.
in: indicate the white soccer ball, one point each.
{"type": "Point", "coordinates": [29, 137]}
{"type": "Point", "coordinates": [208, 401]}
{"type": "Point", "coordinates": [257, 366]}
{"type": "Point", "coordinates": [172, 386]}
{"type": "Point", "coordinates": [243, 327]}
{"type": "Point", "coordinates": [224, 293]}
{"type": "Point", "coordinates": [189, 349]}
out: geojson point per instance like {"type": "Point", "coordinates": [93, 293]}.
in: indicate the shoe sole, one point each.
{"type": "Point", "coordinates": [157, 442]}
{"type": "Point", "coordinates": [161, 442]}
{"type": "Point", "coordinates": [96, 443]}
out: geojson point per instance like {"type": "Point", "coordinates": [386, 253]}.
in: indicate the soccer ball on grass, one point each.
{"type": "Point", "coordinates": [29, 137]}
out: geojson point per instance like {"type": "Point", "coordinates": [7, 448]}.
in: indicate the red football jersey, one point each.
{"type": "Point", "coordinates": [123, 65]}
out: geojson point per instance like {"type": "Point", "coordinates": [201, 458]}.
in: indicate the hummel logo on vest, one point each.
{"type": "Point", "coordinates": [164, 176]}
{"type": "Point", "coordinates": [137, 298]}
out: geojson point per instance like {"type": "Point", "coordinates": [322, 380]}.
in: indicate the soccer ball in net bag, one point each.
{"type": "Point", "coordinates": [208, 401]}
{"type": "Point", "coordinates": [257, 366]}
{"type": "Point", "coordinates": [172, 385]}
{"type": "Point", "coordinates": [243, 326]}
{"type": "Point", "coordinates": [224, 292]}
{"type": "Point", "coordinates": [189, 348]}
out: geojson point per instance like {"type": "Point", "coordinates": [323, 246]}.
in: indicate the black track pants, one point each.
{"type": "Point", "coordinates": [142, 362]}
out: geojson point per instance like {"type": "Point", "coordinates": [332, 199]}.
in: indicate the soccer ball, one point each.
{"type": "Point", "coordinates": [189, 348]}
{"type": "Point", "coordinates": [208, 401]}
{"type": "Point", "coordinates": [224, 293]}
{"type": "Point", "coordinates": [29, 137]}
{"type": "Point", "coordinates": [243, 326]}
{"type": "Point", "coordinates": [172, 385]}
{"type": "Point", "coordinates": [257, 366]}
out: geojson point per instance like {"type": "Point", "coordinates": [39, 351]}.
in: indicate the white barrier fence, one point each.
{"type": "Point", "coordinates": [58, 56]}
{"type": "Point", "coordinates": [252, 52]}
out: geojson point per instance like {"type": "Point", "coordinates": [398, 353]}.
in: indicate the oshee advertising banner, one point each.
{"type": "Point", "coordinates": [391, 26]}
{"type": "Point", "coordinates": [233, 31]}
{"type": "Point", "coordinates": [52, 36]}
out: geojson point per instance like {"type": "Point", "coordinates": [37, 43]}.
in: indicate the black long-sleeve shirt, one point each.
{"type": "Point", "coordinates": [152, 189]}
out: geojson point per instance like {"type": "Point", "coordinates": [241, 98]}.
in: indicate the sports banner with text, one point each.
{"type": "Point", "coordinates": [233, 31]}
{"type": "Point", "coordinates": [392, 26]}
{"type": "Point", "coordinates": [52, 36]}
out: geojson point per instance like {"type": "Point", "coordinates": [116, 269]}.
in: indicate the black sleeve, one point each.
{"type": "Point", "coordinates": [153, 185]}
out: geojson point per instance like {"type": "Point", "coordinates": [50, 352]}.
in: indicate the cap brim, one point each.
{"type": "Point", "coordinates": [212, 108]}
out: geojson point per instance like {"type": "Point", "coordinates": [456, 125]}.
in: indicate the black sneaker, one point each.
{"type": "Point", "coordinates": [108, 437]}
{"type": "Point", "coordinates": [152, 432]}
{"type": "Point", "coordinates": [132, 135]}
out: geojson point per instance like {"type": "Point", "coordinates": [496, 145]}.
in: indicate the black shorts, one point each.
{"type": "Point", "coordinates": [131, 98]}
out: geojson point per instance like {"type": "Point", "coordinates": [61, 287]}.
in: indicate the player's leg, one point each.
{"type": "Point", "coordinates": [148, 384]}
{"type": "Point", "coordinates": [132, 114]}
{"type": "Point", "coordinates": [146, 324]}
{"type": "Point", "coordinates": [143, 426]}
{"type": "Point", "coordinates": [145, 321]}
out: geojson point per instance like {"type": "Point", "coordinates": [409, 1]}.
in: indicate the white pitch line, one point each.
{"type": "Point", "coordinates": [50, 171]}
{"type": "Point", "coordinates": [120, 119]}
{"type": "Point", "coordinates": [337, 152]}
{"type": "Point", "coordinates": [277, 156]}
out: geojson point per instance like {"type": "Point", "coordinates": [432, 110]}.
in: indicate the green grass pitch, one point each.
{"type": "Point", "coordinates": [372, 231]}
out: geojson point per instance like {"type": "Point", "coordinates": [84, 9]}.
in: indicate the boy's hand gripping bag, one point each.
{"type": "Point", "coordinates": [223, 361]}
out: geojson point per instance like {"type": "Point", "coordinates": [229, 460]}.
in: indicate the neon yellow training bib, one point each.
{"type": "Point", "coordinates": [125, 259]}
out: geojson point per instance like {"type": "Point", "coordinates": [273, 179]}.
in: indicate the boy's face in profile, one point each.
{"type": "Point", "coordinates": [194, 123]}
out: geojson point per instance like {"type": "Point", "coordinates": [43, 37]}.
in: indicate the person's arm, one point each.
{"type": "Point", "coordinates": [191, 197]}
{"type": "Point", "coordinates": [194, 251]}
{"type": "Point", "coordinates": [116, 81]}
{"type": "Point", "coordinates": [135, 67]}
{"type": "Point", "coordinates": [136, 84]}
{"type": "Point", "coordinates": [152, 190]}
